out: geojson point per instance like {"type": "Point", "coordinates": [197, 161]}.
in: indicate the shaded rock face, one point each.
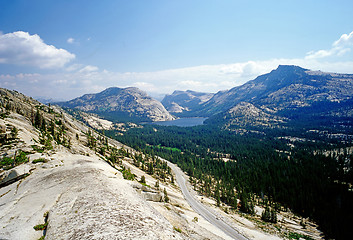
{"type": "Point", "coordinates": [181, 101]}
{"type": "Point", "coordinates": [8, 176]}
{"type": "Point", "coordinates": [124, 103]}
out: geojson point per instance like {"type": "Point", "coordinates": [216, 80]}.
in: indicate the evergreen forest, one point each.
{"type": "Point", "coordinates": [310, 175]}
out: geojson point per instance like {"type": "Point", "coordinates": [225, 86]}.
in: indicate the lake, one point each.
{"type": "Point", "coordinates": [183, 122]}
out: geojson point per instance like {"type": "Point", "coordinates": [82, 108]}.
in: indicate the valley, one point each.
{"type": "Point", "coordinates": [78, 184]}
{"type": "Point", "coordinates": [176, 120]}
{"type": "Point", "coordinates": [268, 145]}
{"type": "Point", "coordinates": [269, 159]}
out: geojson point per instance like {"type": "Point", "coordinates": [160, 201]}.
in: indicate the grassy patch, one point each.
{"type": "Point", "coordinates": [177, 229]}
{"type": "Point", "coordinates": [167, 148]}
{"type": "Point", "coordinates": [293, 235]}
{"type": "Point", "coordinates": [145, 184]}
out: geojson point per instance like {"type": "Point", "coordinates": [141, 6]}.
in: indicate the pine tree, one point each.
{"type": "Point", "coordinates": [143, 179]}
{"type": "Point", "coordinates": [269, 215]}
{"type": "Point", "coordinates": [273, 215]}
{"type": "Point", "coordinates": [150, 168]}
{"type": "Point", "coordinates": [37, 119]}
{"type": "Point", "coordinates": [166, 198]}
{"type": "Point", "coordinates": [266, 215]}
{"type": "Point", "coordinates": [245, 207]}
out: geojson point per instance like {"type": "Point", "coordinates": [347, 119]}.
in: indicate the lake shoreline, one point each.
{"type": "Point", "coordinates": [183, 122]}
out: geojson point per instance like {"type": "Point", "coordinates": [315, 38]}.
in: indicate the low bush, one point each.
{"type": "Point", "coordinates": [39, 160]}
{"type": "Point", "coordinates": [40, 227]}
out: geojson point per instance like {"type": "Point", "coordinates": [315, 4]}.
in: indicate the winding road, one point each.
{"type": "Point", "coordinates": [204, 211]}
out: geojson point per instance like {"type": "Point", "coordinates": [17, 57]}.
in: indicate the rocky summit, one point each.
{"type": "Point", "coordinates": [286, 93]}
{"type": "Point", "coordinates": [114, 103]}
{"type": "Point", "coordinates": [287, 87]}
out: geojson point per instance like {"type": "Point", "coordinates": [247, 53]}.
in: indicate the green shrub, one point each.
{"type": "Point", "coordinates": [39, 160]}
{"type": "Point", "coordinates": [127, 174]}
{"type": "Point", "coordinates": [5, 161]}
{"type": "Point", "coordinates": [8, 162]}
{"type": "Point", "coordinates": [40, 227]}
{"type": "Point", "coordinates": [143, 179]}
{"type": "Point", "coordinates": [21, 157]}
{"type": "Point", "coordinates": [166, 198]}
{"type": "Point", "coordinates": [37, 148]}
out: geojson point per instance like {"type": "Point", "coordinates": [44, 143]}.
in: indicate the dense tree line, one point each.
{"type": "Point", "coordinates": [262, 166]}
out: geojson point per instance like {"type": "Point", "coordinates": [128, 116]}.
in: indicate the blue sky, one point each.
{"type": "Point", "coordinates": [63, 49]}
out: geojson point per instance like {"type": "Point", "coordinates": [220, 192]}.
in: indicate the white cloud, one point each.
{"type": "Point", "coordinates": [339, 48]}
{"type": "Point", "coordinates": [345, 40]}
{"type": "Point", "coordinates": [206, 78]}
{"type": "Point", "coordinates": [88, 68]}
{"type": "Point", "coordinates": [74, 67]}
{"type": "Point", "coordinates": [79, 79]}
{"type": "Point", "coordinates": [70, 40]}
{"type": "Point", "coordinates": [25, 49]}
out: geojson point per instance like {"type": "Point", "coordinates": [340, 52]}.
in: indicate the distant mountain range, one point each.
{"type": "Point", "coordinates": [288, 92]}
{"type": "Point", "coordinates": [287, 87]}
{"type": "Point", "coordinates": [124, 104]}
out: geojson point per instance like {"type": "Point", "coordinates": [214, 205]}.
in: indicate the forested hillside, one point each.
{"type": "Point", "coordinates": [312, 178]}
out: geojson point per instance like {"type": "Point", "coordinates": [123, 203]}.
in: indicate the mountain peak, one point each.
{"type": "Point", "coordinates": [288, 86]}
{"type": "Point", "coordinates": [129, 103]}
{"type": "Point", "coordinates": [289, 68]}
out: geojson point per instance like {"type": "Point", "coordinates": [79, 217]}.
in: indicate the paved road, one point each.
{"type": "Point", "coordinates": [201, 209]}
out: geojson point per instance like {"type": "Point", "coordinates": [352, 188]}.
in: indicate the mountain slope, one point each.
{"type": "Point", "coordinates": [289, 93]}
{"type": "Point", "coordinates": [286, 87]}
{"type": "Point", "coordinates": [181, 101]}
{"type": "Point", "coordinates": [59, 175]}
{"type": "Point", "coordinates": [49, 175]}
{"type": "Point", "coordinates": [122, 104]}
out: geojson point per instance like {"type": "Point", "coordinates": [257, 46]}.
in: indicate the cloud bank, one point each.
{"type": "Point", "coordinates": [25, 49]}
{"type": "Point", "coordinates": [78, 79]}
